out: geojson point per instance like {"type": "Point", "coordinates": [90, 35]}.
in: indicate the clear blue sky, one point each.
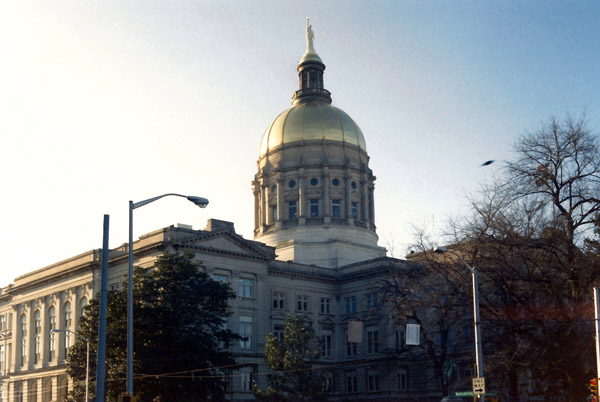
{"type": "Point", "coordinates": [106, 102]}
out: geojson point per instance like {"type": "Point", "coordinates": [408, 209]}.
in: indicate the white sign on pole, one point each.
{"type": "Point", "coordinates": [479, 385]}
{"type": "Point", "coordinates": [413, 336]}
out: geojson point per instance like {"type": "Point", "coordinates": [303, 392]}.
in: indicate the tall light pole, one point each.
{"type": "Point", "coordinates": [199, 201]}
{"type": "Point", "coordinates": [87, 359]}
{"type": "Point", "coordinates": [478, 352]}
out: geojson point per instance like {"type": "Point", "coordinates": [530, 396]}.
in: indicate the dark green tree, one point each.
{"type": "Point", "coordinates": [180, 342]}
{"type": "Point", "coordinates": [293, 361]}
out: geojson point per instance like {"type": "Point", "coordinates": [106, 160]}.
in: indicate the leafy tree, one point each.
{"type": "Point", "coordinates": [527, 235]}
{"type": "Point", "coordinates": [179, 339]}
{"type": "Point", "coordinates": [293, 360]}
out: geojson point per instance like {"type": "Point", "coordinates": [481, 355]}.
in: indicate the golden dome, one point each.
{"type": "Point", "coordinates": [312, 121]}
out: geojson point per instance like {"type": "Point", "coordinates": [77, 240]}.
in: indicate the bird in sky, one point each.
{"type": "Point", "coordinates": [487, 163]}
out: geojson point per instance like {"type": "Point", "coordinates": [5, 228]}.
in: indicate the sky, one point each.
{"type": "Point", "coordinates": [106, 102]}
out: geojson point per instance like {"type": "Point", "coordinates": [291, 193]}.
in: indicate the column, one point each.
{"type": "Point", "coordinates": [40, 389]}
{"type": "Point", "coordinates": [264, 206]}
{"type": "Point", "coordinates": [280, 202]}
{"type": "Point", "coordinates": [364, 201]}
{"type": "Point", "coordinates": [54, 387]}
{"type": "Point", "coordinates": [15, 340]}
{"type": "Point", "coordinates": [326, 200]}
{"type": "Point", "coordinates": [348, 200]}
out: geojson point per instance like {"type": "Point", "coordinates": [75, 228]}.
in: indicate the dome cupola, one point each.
{"type": "Point", "coordinates": [314, 189]}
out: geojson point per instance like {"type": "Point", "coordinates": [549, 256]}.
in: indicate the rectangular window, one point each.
{"type": "Point", "coordinates": [278, 331]}
{"type": "Point", "coordinates": [351, 348]}
{"type": "Point", "coordinates": [328, 383]}
{"type": "Point", "coordinates": [373, 382]}
{"type": "Point", "coordinates": [2, 361]}
{"type": "Point", "coordinates": [314, 208]}
{"type": "Point", "coordinates": [220, 278]}
{"type": "Point", "coordinates": [246, 332]}
{"type": "Point", "coordinates": [350, 304]}
{"type": "Point", "coordinates": [372, 340]}
{"type": "Point", "coordinates": [400, 338]}
{"type": "Point", "coordinates": [302, 302]}
{"type": "Point", "coordinates": [402, 380]}
{"type": "Point", "coordinates": [114, 286]}
{"type": "Point", "coordinates": [278, 300]}
{"type": "Point", "coordinates": [371, 300]}
{"type": "Point", "coordinates": [273, 213]}
{"type": "Point", "coordinates": [2, 322]}
{"type": "Point", "coordinates": [245, 288]}
{"type": "Point", "coordinates": [247, 378]}
{"type": "Point", "coordinates": [351, 382]}
{"type": "Point", "coordinates": [335, 209]}
{"type": "Point", "coordinates": [354, 211]}
{"type": "Point", "coordinates": [292, 210]}
{"type": "Point", "coordinates": [326, 345]}
{"type": "Point", "coordinates": [325, 305]}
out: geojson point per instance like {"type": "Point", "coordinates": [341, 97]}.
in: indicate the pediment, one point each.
{"type": "Point", "coordinates": [225, 242]}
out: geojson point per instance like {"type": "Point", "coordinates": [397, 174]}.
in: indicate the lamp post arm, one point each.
{"type": "Point", "coordinates": [158, 197]}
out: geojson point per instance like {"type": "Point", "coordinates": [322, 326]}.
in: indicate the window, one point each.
{"type": "Point", "coordinates": [247, 378]}
{"type": "Point", "coordinates": [351, 347]}
{"type": "Point", "coordinates": [335, 208]}
{"type": "Point", "coordinates": [325, 305]}
{"type": "Point", "coordinates": [354, 210]}
{"type": "Point", "coordinates": [372, 340]}
{"type": "Point", "coordinates": [351, 382]}
{"type": "Point", "coordinates": [278, 331]}
{"type": "Point", "coordinates": [353, 185]}
{"type": "Point", "coordinates": [273, 213]}
{"type": "Point", "coordinates": [82, 305]}
{"type": "Point", "coordinates": [400, 338]}
{"type": "Point", "coordinates": [67, 325]}
{"type": "Point", "coordinates": [302, 302]}
{"type": "Point", "coordinates": [114, 286]}
{"type": "Point", "coordinates": [220, 278]}
{"type": "Point", "coordinates": [245, 288]}
{"type": "Point", "coordinates": [23, 333]}
{"type": "Point", "coordinates": [52, 338]}
{"type": "Point", "coordinates": [1, 362]}
{"type": "Point", "coordinates": [278, 300]}
{"type": "Point", "coordinates": [2, 322]}
{"type": "Point", "coordinates": [327, 383]}
{"type": "Point", "coordinates": [371, 300]}
{"type": "Point", "coordinates": [350, 304]}
{"type": "Point", "coordinates": [314, 208]}
{"type": "Point", "coordinates": [373, 382]}
{"type": "Point", "coordinates": [274, 189]}
{"type": "Point", "coordinates": [314, 181]}
{"type": "Point", "coordinates": [335, 182]}
{"type": "Point", "coordinates": [37, 319]}
{"type": "Point", "coordinates": [246, 332]}
{"type": "Point", "coordinates": [292, 209]}
{"type": "Point", "coordinates": [292, 183]}
{"type": "Point", "coordinates": [326, 345]}
{"type": "Point", "coordinates": [402, 380]}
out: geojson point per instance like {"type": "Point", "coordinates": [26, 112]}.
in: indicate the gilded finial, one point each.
{"type": "Point", "coordinates": [310, 38]}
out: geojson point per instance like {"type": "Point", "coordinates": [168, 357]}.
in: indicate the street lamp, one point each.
{"type": "Point", "coordinates": [199, 201]}
{"type": "Point", "coordinates": [87, 359]}
{"type": "Point", "coordinates": [474, 274]}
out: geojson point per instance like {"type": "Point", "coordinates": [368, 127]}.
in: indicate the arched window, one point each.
{"type": "Point", "coordinates": [52, 335]}
{"type": "Point", "coordinates": [83, 302]}
{"type": "Point", "coordinates": [23, 333]}
{"type": "Point", "coordinates": [63, 387]}
{"type": "Point", "coordinates": [37, 320]}
{"type": "Point", "coordinates": [32, 391]}
{"type": "Point", "coordinates": [67, 321]}
{"type": "Point", "coordinates": [47, 391]}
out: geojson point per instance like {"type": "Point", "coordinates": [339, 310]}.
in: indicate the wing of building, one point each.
{"type": "Point", "coordinates": [314, 254]}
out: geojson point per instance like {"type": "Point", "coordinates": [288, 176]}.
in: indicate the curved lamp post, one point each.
{"type": "Point", "coordinates": [478, 353]}
{"type": "Point", "coordinates": [87, 359]}
{"type": "Point", "coordinates": [199, 201]}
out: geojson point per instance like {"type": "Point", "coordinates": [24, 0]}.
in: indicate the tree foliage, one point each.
{"type": "Point", "coordinates": [293, 360]}
{"type": "Point", "coordinates": [533, 234]}
{"type": "Point", "coordinates": [180, 343]}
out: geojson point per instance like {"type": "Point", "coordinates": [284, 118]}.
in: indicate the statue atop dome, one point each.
{"type": "Point", "coordinates": [310, 38]}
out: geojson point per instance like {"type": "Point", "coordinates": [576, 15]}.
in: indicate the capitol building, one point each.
{"type": "Point", "coordinates": [315, 254]}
